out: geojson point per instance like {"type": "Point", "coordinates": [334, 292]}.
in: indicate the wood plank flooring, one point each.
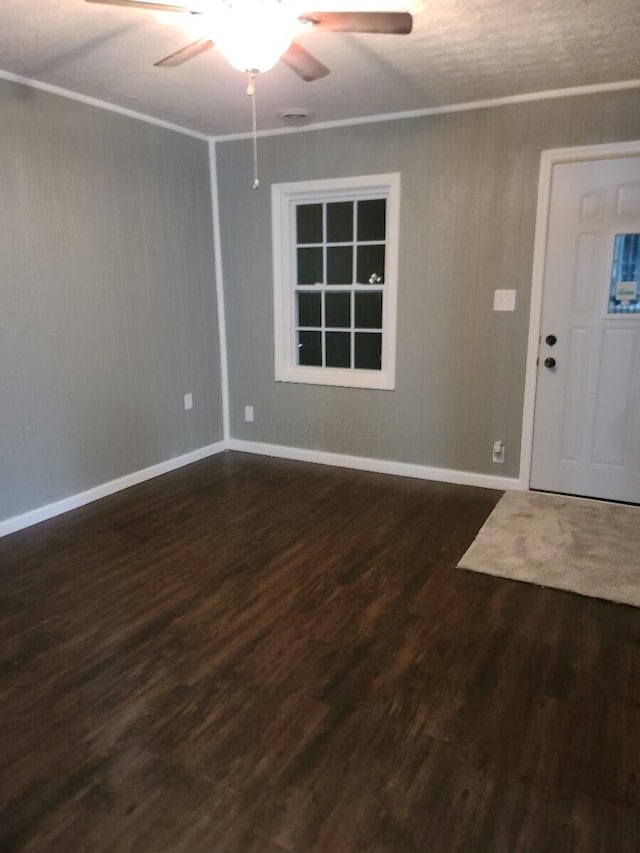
{"type": "Point", "coordinates": [259, 655]}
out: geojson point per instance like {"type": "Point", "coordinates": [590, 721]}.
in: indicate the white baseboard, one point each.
{"type": "Point", "coordinates": [380, 466]}
{"type": "Point", "coordinates": [35, 516]}
{"type": "Point", "coordinates": [322, 457]}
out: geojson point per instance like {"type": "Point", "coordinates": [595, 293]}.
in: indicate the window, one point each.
{"type": "Point", "coordinates": [335, 258]}
{"type": "Point", "coordinates": [624, 294]}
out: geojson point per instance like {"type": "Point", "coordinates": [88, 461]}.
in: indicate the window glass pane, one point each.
{"type": "Point", "coordinates": [340, 222]}
{"type": "Point", "coordinates": [309, 309]}
{"type": "Point", "coordinates": [371, 264]}
{"type": "Point", "coordinates": [368, 310]}
{"type": "Point", "coordinates": [372, 219]}
{"type": "Point", "coordinates": [309, 266]}
{"type": "Point", "coordinates": [310, 348]}
{"type": "Point", "coordinates": [337, 310]}
{"type": "Point", "coordinates": [368, 351]}
{"type": "Point", "coordinates": [338, 346]}
{"type": "Point", "coordinates": [339, 265]}
{"type": "Point", "coordinates": [624, 295]}
{"type": "Point", "coordinates": [309, 223]}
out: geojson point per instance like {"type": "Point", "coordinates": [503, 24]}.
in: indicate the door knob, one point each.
{"type": "Point", "coordinates": [549, 362]}
{"type": "Point", "coordinates": [550, 340]}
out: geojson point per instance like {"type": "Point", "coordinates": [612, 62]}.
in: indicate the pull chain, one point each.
{"type": "Point", "coordinates": [251, 91]}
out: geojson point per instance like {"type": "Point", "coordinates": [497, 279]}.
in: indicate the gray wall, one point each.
{"type": "Point", "coordinates": [468, 206]}
{"type": "Point", "coordinates": [107, 297]}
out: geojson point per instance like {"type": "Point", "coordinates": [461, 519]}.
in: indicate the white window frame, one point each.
{"type": "Point", "coordinates": [284, 198]}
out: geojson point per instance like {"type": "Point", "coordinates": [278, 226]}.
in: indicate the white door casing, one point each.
{"type": "Point", "coordinates": [586, 437]}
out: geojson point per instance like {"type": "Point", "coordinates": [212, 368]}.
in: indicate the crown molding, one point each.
{"type": "Point", "coordinates": [594, 89]}
{"type": "Point", "coordinates": [103, 105]}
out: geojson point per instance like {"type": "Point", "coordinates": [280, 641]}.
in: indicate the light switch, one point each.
{"type": "Point", "coordinates": [504, 300]}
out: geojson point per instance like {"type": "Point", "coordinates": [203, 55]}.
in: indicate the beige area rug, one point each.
{"type": "Point", "coordinates": [588, 547]}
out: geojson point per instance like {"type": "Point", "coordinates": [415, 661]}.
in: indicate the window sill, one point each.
{"type": "Point", "coordinates": [373, 379]}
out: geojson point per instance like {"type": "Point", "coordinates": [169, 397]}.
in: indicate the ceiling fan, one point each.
{"type": "Point", "coordinates": [253, 35]}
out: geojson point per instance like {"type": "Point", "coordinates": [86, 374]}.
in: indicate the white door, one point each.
{"type": "Point", "coordinates": [586, 438]}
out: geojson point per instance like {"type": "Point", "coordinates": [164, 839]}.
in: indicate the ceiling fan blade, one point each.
{"type": "Point", "coordinates": [303, 63]}
{"type": "Point", "coordinates": [185, 54]}
{"type": "Point", "coordinates": [139, 4]}
{"type": "Point", "coordinates": [395, 23]}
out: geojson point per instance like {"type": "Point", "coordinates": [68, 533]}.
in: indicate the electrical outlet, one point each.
{"type": "Point", "coordinates": [498, 452]}
{"type": "Point", "coordinates": [188, 402]}
{"type": "Point", "coordinates": [248, 414]}
{"type": "Point", "coordinates": [504, 300]}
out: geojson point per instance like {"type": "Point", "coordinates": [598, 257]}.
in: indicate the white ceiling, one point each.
{"type": "Point", "coordinates": [459, 51]}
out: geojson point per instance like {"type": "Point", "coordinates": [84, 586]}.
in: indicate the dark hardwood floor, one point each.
{"type": "Point", "coordinates": [258, 655]}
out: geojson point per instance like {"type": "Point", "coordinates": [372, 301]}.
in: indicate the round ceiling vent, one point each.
{"type": "Point", "coordinates": [295, 116]}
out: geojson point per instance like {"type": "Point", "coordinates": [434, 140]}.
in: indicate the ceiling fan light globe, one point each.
{"type": "Point", "coordinates": [252, 35]}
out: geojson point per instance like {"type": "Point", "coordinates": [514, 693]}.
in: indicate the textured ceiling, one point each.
{"type": "Point", "coordinates": [459, 51]}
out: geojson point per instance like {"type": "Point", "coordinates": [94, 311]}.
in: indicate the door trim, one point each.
{"type": "Point", "coordinates": [548, 159]}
